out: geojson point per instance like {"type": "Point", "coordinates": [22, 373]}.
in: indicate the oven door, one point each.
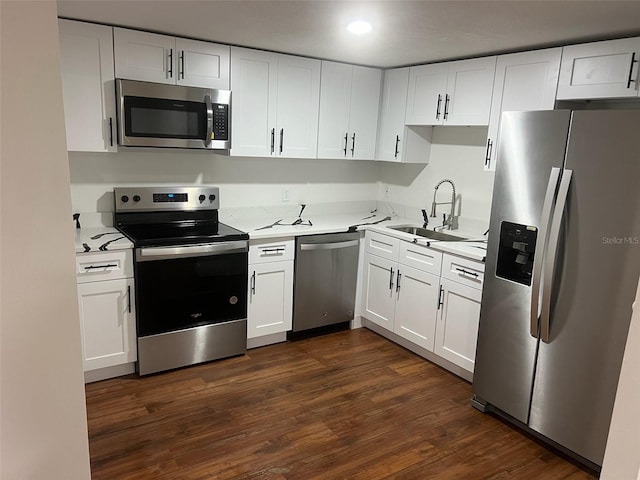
{"type": "Point", "coordinates": [157, 115]}
{"type": "Point", "coordinates": [179, 288]}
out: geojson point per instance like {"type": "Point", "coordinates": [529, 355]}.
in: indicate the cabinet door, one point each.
{"type": "Point", "coordinates": [469, 88]}
{"type": "Point", "coordinates": [392, 115]}
{"type": "Point", "coordinates": [335, 99]}
{"type": "Point", "coordinates": [416, 306]}
{"type": "Point", "coordinates": [297, 106]}
{"type": "Point", "coordinates": [379, 290]}
{"type": "Point", "coordinates": [254, 79]}
{"type": "Point", "coordinates": [524, 81]}
{"type": "Point", "coordinates": [600, 70]}
{"type": "Point", "coordinates": [270, 298]}
{"type": "Point", "coordinates": [457, 325]}
{"type": "Point", "coordinates": [108, 323]}
{"type": "Point", "coordinates": [86, 60]}
{"type": "Point", "coordinates": [363, 112]}
{"type": "Point", "coordinates": [144, 56]}
{"type": "Point", "coordinates": [426, 94]}
{"type": "Point", "coordinates": [202, 64]}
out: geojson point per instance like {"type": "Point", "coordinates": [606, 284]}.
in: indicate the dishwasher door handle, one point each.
{"type": "Point", "coordinates": [329, 246]}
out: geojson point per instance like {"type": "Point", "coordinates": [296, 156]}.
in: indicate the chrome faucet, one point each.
{"type": "Point", "coordinates": [450, 223]}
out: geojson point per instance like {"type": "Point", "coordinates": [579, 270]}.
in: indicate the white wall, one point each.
{"type": "Point", "coordinates": [457, 153]}
{"type": "Point", "coordinates": [622, 455]}
{"type": "Point", "coordinates": [243, 182]}
{"type": "Point", "coordinates": [43, 431]}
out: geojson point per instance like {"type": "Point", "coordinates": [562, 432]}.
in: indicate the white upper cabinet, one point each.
{"type": "Point", "coordinates": [275, 104]}
{"type": "Point", "coordinates": [452, 93]}
{"type": "Point", "coordinates": [397, 142]}
{"type": "Point", "coordinates": [524, 81]}
{"type": "Point", "coordinates": [86, 56]}
{"type": "Point", "coordinates": [158, 58]}
{"type": "Point", "coordinates": [600, 70]}
{"type": "Point", "coordinates": [349, 101]}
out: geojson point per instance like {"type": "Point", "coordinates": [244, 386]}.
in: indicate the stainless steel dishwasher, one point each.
{"type": "Point", "coordinates": [326, 270]}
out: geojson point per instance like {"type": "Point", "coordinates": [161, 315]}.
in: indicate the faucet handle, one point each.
{"type": "Point", "coordinates": [425, 217]}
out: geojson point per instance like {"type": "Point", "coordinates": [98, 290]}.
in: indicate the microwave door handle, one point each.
{"type": "Point", "coordinates": [207, 139]}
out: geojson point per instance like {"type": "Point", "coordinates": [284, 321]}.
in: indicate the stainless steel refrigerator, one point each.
{"type": "Point", "coordinates": [562, 267]}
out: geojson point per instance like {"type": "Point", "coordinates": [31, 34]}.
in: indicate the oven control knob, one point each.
{"type": "Point", "coordinates": [124, 198]}
{"type": "Point", "coordinates": [212, 197]}
{"type": "Point", "coordinates": [136, 198]}
{"type": "Point", "coordinates": [201, 198]}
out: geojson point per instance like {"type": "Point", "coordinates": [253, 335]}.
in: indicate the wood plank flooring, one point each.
{"type": "Point", "coordinates": [347, 405]}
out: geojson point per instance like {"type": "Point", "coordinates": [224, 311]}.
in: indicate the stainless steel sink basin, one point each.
{"type": "Point", "coordinates": [426, 233]}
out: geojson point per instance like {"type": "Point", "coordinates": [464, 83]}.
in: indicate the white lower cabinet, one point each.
{"type": "Point", "coordinates": [459, 310]}
{"type": "Point", "coordinates": [270, 305]}
{"type": "Point", "coordinates": [428, 298]}
{"type": "Point", "coordinates": [107, 310]}
{"type": "Point", "coordinates": [399, 297]}
{"type": "Point", "coordinates": [457, 329]}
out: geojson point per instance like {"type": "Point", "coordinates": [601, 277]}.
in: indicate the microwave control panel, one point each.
{"type": "Point", "coordinates": [220, 122]}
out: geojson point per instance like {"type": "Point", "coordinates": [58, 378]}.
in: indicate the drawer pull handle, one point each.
{"type": "Point", "coordinates": [391, 278]}
{"type": "Point", "coordinates": [440, 300]}
{"type": "Point", "coordinates": [467, 272]}
{"type": "Point", "coordinates": [253, 283]}
{"type": "Point", "coordinates": [398, 281]}
{"type": "Point", "coordinates": [108, 265]}
{"type": "Point", "coordinates": [273, 250]}
{"type": "Point", "coordinates": [633, 60]}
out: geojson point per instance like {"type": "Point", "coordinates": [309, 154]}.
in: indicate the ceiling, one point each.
{"type": "Point", "coordinates": [404, 32]}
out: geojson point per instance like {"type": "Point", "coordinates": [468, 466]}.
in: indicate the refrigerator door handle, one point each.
{"type": "Point", "coordinates": [552, 253]}
{"type": "Point", "coordinates": [541, 244]}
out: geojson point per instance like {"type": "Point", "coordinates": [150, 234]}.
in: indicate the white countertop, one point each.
{"type": "Point", "coordinates": [335, 223]}
{"type": "Point", "coordinates": [85, 241]}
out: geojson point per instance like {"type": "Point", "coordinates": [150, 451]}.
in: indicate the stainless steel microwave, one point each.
{"type": "Point", "coordinates": [174, 116]}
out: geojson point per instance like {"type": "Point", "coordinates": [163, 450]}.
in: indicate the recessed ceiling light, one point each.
{"type": "Point", "coordinates": [359, 27]}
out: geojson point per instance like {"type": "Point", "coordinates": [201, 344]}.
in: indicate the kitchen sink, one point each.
{"type": "Point", "coordinates": [426, 233]}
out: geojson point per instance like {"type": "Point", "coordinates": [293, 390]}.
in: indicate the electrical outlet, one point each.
{"type": "Point", "coordinates": [286, 194]}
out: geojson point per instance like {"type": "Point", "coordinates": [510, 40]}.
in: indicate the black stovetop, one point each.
{"type": "Point", "coordinates": [178, 228]}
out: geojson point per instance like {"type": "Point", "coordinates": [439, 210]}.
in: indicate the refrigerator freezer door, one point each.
{"type": "Point", "coordinates": [597, 269]}
{"type": "Point", "coordinates": [531, 144]}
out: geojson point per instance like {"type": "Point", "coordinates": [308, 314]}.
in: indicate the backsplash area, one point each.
{"type": "Point", "coordinates": [252, 186]}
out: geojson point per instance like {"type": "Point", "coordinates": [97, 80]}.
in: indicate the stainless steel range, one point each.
{"type": "Point", "coordinates": [190, 276]}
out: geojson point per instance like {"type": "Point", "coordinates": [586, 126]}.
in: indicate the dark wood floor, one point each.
{"type": "Point", "coordinates": [348, 405]}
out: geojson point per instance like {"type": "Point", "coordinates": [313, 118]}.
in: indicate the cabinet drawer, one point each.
{"type": "Point", "coordinates": [382, 245]}
{"type": "Point", "coordinates": [271, 250]}
{"type": "Point", "coordinates": [95, 267]}
{"type": "Point", "coordinates": [420, 257]}
{"type": "Point", "coordinates": [463, 270]}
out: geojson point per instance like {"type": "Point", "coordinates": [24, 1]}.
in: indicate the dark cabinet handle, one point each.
{"type": "Point", "coordinates": [446, 106]}
{"type": "Point", "coordinates": [487, 158]}
{"type": "Point", "coordinates": [438, 107]}
{"type": "Point", "coordinates": [346, 140]}
{"type": "Point", "coordinates": [129, 298]}
{"type": "Point", "coordinates": [108, 265]}
{"type": "Point", "coordinates": [111, 131]}
{"type": "Point", "coordinates": [353, 144]}
{"type": "Point", "coordinates": [273, 140]}
{"type": "Point", "coordinates": [281, 139]}
{"type": "Point", "coordinates": [398, 281]}
{"type": "Point", "coordinates": [440, 299]}
{"type": "Point", "coordinates": [391, 278]}
{"type": "Point", "coordinates": [253, 283]}
{"type": "Point", "coordinates": [170, 63]}
{"type": "Point", "coordinates": [633, 60]}
{"type": "Point", "coordinates": [397, 142]}
{"type": "Point", "coordinates": [467, 272]}
{"type": "Point", "coordinates": [181, 74]}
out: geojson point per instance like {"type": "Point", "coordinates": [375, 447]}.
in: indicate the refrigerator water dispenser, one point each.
{"type": "Point", "coordinates": [516, 252]}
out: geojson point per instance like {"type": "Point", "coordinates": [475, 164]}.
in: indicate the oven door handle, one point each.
{"type": "Point", "coordinates": [165, 253]}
